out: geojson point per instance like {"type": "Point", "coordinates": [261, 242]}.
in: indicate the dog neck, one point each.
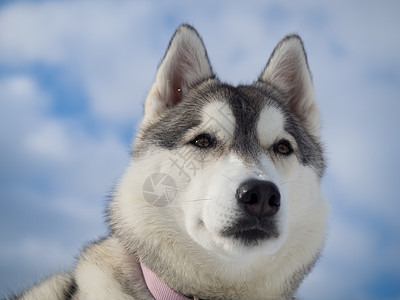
{"type": "Point", "coordinates": [158, 288]}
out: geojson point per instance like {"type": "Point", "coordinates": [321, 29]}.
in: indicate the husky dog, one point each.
{"type": "Point", "coordinates": [222, 198]}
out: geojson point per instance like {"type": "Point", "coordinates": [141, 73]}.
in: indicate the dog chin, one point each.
{"type": "Point", "coordinates": [235, 248]}
{"type": "Point", "coordinates": [231, 247]}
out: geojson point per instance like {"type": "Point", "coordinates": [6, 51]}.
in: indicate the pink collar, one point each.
{"type": "Point", "coordinates": [158, 288]}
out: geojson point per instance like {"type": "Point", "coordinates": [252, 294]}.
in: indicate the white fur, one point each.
{"type": "Point", "coordinates": [219, 119]}
{"type": "Point", "coordinates": [49, 290]}
{"type": "Point", "coordinates": [270, 126]}
{"type": "Point", "coordinates": [209, 195]}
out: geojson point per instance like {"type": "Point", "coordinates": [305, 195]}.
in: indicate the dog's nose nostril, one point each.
{"type": "Point", "coordinates": [260, 198]}
{"type": "Point", "coordinates": [274, 201]}
{"type": "Point", "coordinates": [253, 199]}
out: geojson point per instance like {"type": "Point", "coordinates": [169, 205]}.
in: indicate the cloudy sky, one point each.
{"type": "Point", "coordinates": [73, 77]}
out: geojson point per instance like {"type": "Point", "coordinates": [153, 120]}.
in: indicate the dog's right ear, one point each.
{"type": "Point", "coordinates": [184, 64]}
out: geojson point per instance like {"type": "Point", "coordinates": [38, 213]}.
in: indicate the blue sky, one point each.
{"type": "Point", "coordinates": [73, 77]}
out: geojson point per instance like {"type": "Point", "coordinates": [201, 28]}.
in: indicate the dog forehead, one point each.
{"type": "Point", "coordinates": [239, 111]}
{"type": "Point", "coordinates": [218, 115]}
{"type": "Point", "coordinates": [226, 103]}
{"type": "Point", "coordinates": [233, 112]}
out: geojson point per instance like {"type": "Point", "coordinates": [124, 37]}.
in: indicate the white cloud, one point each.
{"type": "Point", "coordinates": [92, 41]}
{"type": "Point", "coordinates": [49, 141]}
{"type": "Point", "coordinates": [21, 90]}
{"type": "Point", "coordinates": [20, 95]}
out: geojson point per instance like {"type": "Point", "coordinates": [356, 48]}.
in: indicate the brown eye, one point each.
{"type": "Point", "coordinates": [203, 141]}
{"type": "Point", "coordinates": [283, 148]}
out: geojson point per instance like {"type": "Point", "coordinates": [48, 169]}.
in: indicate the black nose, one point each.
{"type": "Point", "coordinates": [260, 198]}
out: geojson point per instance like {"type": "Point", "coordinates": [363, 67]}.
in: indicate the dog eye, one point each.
{"type": "Point", "coordinates": [283, 148]}
{"type": "Point", "coordinates": [203, 141]}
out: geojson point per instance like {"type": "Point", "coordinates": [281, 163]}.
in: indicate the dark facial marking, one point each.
{"type": "Point", "coordinates": [310, 151]}
{"type": "Point", "coordinates": [246, 103]}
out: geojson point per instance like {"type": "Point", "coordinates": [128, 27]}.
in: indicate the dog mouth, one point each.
{"type": "Point", "coordinates": [252, 232]}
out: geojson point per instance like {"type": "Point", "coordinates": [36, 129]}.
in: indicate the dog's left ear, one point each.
{"type": "Point", "coordinates": [185, 63]}
{"type": "Point", "coordinates": [287, 69]}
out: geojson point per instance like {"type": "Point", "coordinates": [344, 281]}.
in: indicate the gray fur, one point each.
{"type": "Point", "coordinates": [246, 101]}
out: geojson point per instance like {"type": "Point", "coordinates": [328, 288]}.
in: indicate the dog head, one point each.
{"type": "Point", "coordinates": [226, 174]}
